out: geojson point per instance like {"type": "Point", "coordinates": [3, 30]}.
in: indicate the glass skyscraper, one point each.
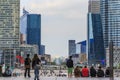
{"type": "Point", "coordinates": [71, 47]}
{"type": "Point", "coordinates": [31, 29]}
{"type": "Point", "coordinates": [110, 13]}
{"type": "Point", "coordinates": [95, 44]}
{"type": "Point", "coordinates": [9, 30]}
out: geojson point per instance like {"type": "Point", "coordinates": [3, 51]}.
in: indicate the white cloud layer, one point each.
{"type": "Point", "coordinates": [61, 20]}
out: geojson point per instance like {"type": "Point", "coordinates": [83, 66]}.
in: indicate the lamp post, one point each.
{"type": "Point", "coordinates": [111, 60]}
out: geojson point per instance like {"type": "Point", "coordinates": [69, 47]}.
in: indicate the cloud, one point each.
{"type": "Point", "coordinates": [66, 8]}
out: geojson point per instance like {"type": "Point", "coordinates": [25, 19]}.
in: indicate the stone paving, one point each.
{"type": "Point", "coordinates": [54, 78]}
{"type": "Point", "coordinates": [21, 77]}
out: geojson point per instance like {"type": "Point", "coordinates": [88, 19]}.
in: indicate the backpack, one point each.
{"type": "Point", "coordinates": [27, 61]}
{"type": "Point", "coordinates": [69, 63]}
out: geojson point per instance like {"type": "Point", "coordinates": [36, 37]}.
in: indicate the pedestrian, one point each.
{"type": "Point", "coordinates": [85, 72]}
{"type": "Point", "coordinates": [27, 66]}
{"type": "Point", "coordinates": [107, 72]}
{"type": "Point", "coordinates": [36, 64]}
{"type": "Point", "coordinates": [100, 72]}
{"type": "Point", "coordinates": [70, 66]}
{"type": "Point", "coordinates": [8, 72]}
{"type": "Point", "coordinates": [92, 72]}
{"type": "Point", "coordinates": [77, 72]}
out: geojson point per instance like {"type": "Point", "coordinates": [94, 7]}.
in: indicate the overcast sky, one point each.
{"type": "Point", "coordinates": [62, 20]}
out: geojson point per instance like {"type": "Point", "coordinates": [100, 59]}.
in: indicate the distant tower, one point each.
{"type": "Point", "coordinates": [72, 47]}
{"type": "Point", "coordinates": [31, 28]}
{"type": "Point", "coordinates": [95, 44]}
{"type": "Point", "coordinates": [42, 49]}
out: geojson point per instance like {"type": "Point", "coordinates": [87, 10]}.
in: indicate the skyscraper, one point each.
{"type": "Point", "coordinates": [110, 13]}
{"type": "Point", "coordinates": [9, 23]}
{"type": "Point", "coordinates": [31, 29]}
{"type": "Point", "coordinates": [72, 47]}
{"type": "Point", "coordinates": [95, 42]}
{"type": "Point", "coordinates": [9, 28]}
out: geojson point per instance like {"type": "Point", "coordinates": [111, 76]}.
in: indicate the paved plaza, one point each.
{"type": "Point", "coordinates": [47, 77]}
{"type": "Point", "coordinates": [54, 78]}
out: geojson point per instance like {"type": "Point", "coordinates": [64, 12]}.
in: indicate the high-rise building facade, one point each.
{"type": "Point", "coordinates": [71, 47]}
{"type": "Point", "coordinates": [110, 13]}
{"type": "Point", "coordinates": [9, 23]}
{"type": "Point", "coordinates": [95, 44]}
{"type": "Point", "coordinates": [42, 49]}
{"type": "Point", "coordinates": [9, 29]}
{"type": "Point", "coordinates": [31, 29]}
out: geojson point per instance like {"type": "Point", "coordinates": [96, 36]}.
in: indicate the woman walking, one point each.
{"type": "Point", "coordinates": [36, 65]}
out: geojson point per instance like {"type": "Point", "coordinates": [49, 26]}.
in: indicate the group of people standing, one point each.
{"type": "Point", "coordinates": [35, 65]}
{"type": "Point", "coordinates": [86, 72]}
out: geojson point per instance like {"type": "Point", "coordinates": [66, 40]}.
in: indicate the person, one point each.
{"type": "Point", "coordinates": [107, 72]}
{"type": "Point", "coordinates": [100, 72]}
{"type": "Point", "coordinates": [92, 72]}
{"type": "Point", "coordinates": [8, 72]}
{"type": "Point", "coordinates": [85, 72]}
{"type": "Point", "coordinates": [36, 65]}
{"type": "Point", "coordinates": [27, 66]}
{"type": "Point", "coordinates": [70, 66]}
{"type": "Point", "coordinates": [77, 72]}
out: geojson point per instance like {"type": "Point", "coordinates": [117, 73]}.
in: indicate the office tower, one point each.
{"type": "Point", "coordinates": [110, 14]}
{"type": "Point", "coordinates": [42, 49]}
{"type": "Point", "coordinates": [81, 50]}
{"type": "Point", "coordinates": [9, 29]}
{"type": "Point", "coordinates": [31, 29]}
{"type": "Point", "coordinates": [72, 47]}
{"type": "Point", "coordinates": [95, 44]}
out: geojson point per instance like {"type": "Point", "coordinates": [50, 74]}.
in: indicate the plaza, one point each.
{"type": "Point", "coordinates": [51, 77]}
{"type": "Point", "coordinates": [54, 78]}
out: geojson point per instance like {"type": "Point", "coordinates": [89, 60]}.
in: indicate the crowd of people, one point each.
{"type": "Point", "coordinates": [86, 72]}
{"type": "Point", "coordinates": [78, 71]}
{"type": "Point", "coordinates": [92, 72]}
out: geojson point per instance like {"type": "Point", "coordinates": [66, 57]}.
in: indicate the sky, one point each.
{"type": "Point", "coordinates": [61, 20]}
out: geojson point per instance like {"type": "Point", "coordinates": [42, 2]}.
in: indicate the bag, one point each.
{"type": "Point", "coordinates": [38, 66]}
{"type": "Point", "coordinates": [69, 63]}
{"type": "Point", "coordinates": [27, 63]}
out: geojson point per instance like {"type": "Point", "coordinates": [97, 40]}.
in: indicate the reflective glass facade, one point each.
{"type": "Point", "coordinates": [95, 34]}
{"type": "Point", "coordinates": [110, 13]}
{"type": "Point", "coordinates": [31, 29]}
{"type": "Point", "coordinates": [72, 47]}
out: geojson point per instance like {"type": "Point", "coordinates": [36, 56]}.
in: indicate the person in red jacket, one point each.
{"type": "Point", "coordinates": [85, 72]}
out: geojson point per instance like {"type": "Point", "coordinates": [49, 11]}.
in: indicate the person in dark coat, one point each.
{"type": "Point", "coordinates": [77, 72]}
{"type": "Point", "coordinates": [100, 72]}
{"type": "Point", "coordinates": [70, 66]}
{"type": "Point", "coordinates": [27, 66]}
{"type": "Point", "coordinates": [36, 62]}
{"type": "Point", "coordinates": [107, 72]}
{"type": "Point", "coordinates": [92, 72]}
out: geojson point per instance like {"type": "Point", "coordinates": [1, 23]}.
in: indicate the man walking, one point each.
{"type": "Point", "coordinates": [27, 66]}
{"type": "Point", "coordinates": [70, 66]}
